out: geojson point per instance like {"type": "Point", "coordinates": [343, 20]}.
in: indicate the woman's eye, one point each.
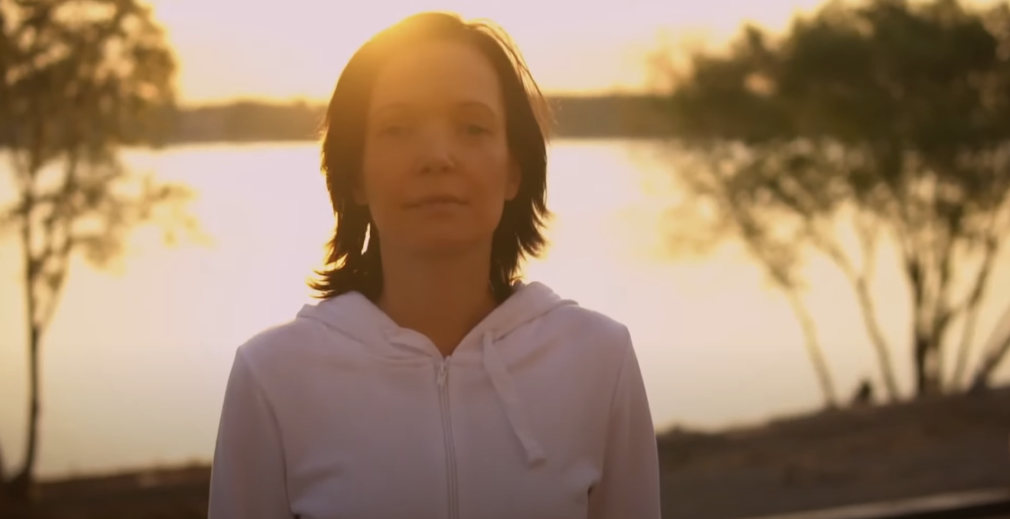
{"type": "Point", "coordinates": [394, 130]}
{"type": "Point", "coordinates": [475, 129]}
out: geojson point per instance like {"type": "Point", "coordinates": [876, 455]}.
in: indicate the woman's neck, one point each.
{"type": "Point", "coordinates": [441, 298]}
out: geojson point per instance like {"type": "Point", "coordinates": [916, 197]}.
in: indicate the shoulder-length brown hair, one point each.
{"type": "Point", "coordinates": [354, 265]}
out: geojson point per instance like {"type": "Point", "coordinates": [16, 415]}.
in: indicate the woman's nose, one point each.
{"type": "Point", "coordinates": [435, 149]}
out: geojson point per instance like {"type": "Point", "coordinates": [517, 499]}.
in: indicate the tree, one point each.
{"type": "Point", "coordinates": [80, 78]}
{"type": "Point", "coordinates": [890, 116]}
{"type": "Point", "coordinates": [999, 347]}
{"type": "Point", "coordinates": [732, 213]}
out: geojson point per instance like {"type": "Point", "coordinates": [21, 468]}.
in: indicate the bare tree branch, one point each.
{"type": "Point", "coordinates": [970, 307]}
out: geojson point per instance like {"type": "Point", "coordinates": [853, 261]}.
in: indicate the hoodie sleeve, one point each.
{"type": "Point", "coordinates": [247, 476]}
{"type": "Point", "coordinates": [629, 485]}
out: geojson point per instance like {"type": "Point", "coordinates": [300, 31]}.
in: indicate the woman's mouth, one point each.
{"type": "Point", "coordinates": [439, 201]}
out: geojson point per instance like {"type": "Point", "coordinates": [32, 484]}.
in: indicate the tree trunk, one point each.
{"type": "Point", "coordinates": [815, 351]}
{"type": "Point", "coordinates": [999, 347]}
{"type": "Point", "coordinates": [967, 338]}
{"type": "Point", "coordinates": [989, 365]}
{"type": "Point", "coordinates": [877, 338]}
{"type": "Point", "coordinates": [927, 365]}
{"type": "Point", "coordinates": [972, 307]}
{"type": "Point", "coordinates": [22, 485]}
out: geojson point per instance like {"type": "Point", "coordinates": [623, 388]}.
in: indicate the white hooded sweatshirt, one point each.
{"type": "Point", "coordinates": [539, 413]}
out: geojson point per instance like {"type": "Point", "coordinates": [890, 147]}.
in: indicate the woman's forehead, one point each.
{"type": "Point", "coordinates": [438, 74]}
{"type": "Point", "coordinates": [461, 105]}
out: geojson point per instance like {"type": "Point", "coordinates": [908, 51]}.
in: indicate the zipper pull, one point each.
{"type": "Point", "coordinates": [443, 372]}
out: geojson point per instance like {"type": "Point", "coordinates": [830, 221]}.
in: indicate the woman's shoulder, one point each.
{"type": "Point", "coordinates": [589, 335]}
{"type": "Point", "coordinates": [289, 341]}
{"type": "Point", "coordinates": [591, 322]}
{"type": "Point", "coordinates": [557, 314]}
{"type": "Point", "coordinates": [592, 346]}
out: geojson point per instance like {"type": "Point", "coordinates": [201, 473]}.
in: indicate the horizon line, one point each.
{"type": "Point", "coordinates": [289, 100]}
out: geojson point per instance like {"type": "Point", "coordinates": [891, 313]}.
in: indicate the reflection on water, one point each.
{"type": "Point", "coordinates": [135, 363]}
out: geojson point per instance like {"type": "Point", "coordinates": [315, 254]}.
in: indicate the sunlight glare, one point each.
{"type": "Point", "coordinates": [234, 49]}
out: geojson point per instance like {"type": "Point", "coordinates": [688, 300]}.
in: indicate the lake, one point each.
{"type": "Point", "coordinates": [136, 360]}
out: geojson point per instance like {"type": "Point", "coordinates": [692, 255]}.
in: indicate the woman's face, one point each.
{"type": "Point", "coordinates": [437, 169]}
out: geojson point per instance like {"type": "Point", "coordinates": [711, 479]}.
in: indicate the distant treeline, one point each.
{"type": "Point", "coordinates": [250, 121]}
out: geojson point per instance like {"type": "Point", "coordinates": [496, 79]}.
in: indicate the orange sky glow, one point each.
{"type": "Point", "coordinates": [231, 49]}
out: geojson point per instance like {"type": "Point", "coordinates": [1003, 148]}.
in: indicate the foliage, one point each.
{"type": "Point", "coordinates": [80, 79]}
{"type": "Point", "coordinates": [890, 116]}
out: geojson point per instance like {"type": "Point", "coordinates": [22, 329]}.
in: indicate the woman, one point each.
{"type": "Point", "coordinates": [429, 383]}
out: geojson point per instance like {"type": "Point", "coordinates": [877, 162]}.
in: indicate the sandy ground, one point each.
{"type": "Point", "coordinates": [803, 463]}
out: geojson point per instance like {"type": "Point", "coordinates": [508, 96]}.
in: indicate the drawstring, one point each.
{"type": "Point", "coordinates": [510, 399]}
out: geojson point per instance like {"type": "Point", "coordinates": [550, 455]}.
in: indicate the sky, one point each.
{"type": "Point", "coordinates": [290, 49]}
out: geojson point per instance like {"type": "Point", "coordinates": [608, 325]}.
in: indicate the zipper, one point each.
{"type": "Point", "coordinates": [450, 449]}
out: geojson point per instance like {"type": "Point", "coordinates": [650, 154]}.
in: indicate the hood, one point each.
{"type": "Point", "coordinates": [355, 316]}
